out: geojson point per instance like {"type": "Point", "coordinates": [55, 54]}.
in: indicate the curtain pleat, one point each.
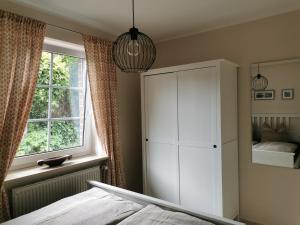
{"type": "Point", "coordinates": [21, 43]}
{"type": "Point", "coordinates": [103, 85]}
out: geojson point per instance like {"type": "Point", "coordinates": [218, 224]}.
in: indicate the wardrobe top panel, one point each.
{"type": "Point", "coordinates": [190, 66]}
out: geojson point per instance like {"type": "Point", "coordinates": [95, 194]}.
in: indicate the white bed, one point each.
{"type": "Point", "coordinates": [153, 215]}
{"type": "Point", "coordinates": [105, 204]}
{"type": "Point", "coordinates": [276, 154]}
{"type": "Point", "coordinates": [146, 200]}
{"type": "Point", "coordinates": [273, 150]}
{"type": "Point", "coordinates": [94, 206]}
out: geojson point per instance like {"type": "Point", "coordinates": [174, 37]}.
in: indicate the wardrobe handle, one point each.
{"type": "Point", "coordinates": [215, 146]}
{"type": "Point", "coordinates": [146, 139]}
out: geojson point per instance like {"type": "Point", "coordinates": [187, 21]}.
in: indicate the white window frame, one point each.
{"type": "Point", "coordinates": [61, 47]}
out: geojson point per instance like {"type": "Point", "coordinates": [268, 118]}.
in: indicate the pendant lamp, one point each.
{"type": "Point", "coordinates": [259, 82]}
{"type": "Point", "coordinates": [134, 51]}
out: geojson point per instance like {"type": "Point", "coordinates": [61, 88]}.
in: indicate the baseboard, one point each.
{"type": "Point", "coordinates": [247, 222]}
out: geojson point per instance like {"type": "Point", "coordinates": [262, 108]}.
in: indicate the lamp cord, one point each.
{"type": "Point", "coordinates": [133, 13]}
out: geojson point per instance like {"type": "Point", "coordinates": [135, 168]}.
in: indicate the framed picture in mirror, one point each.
{"type": "Point", "coordinates": [287, 94]}
{"type": "Point", "coordinates": [264, 95]}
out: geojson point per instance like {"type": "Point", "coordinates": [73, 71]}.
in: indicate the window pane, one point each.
{"type": "Point", "coordinates": [39, 107]}
{"type": "Point", "coordinates": [67, 71]}
{"type": "Point", "coordinates": [35, 139]}
{"type": "Point", "coordinates": [66, 134]}
{"type": "Point", "coordinates": [44, 72]}
{"type": "Point", "coordinates": [66, 103]}
{"type": "Point", "coordinates": [60, 88]}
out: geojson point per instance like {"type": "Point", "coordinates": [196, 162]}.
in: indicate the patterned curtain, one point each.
{"type": "Point", "coordinates": [21, 42]}
{"type": "Point", "coordinates": [103, 85]}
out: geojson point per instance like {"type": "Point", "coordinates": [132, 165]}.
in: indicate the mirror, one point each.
{"type": "Point", "coordinates": [276, 113]}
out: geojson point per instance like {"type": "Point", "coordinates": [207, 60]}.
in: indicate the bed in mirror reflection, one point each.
{"type": "Point", "coordinates": [276, 113]}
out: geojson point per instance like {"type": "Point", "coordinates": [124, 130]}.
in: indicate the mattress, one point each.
{"type": "Point", "coordinates": [94, 206]}
{"type": "Point", "coordinates": [153, 215]}
{"type": "Point", "coordinates": [275, 147]}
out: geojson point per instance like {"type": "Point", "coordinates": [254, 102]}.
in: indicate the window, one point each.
{"type": "Point", "coordinates": [57, 117]}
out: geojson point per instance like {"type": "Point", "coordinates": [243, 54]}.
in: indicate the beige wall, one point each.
{"type": "Point", "coordinates": [128, 91]}
{"type": "Point", "coordinates": [130, 128]}
{"type": "Point", "coordinates": [268, 195]}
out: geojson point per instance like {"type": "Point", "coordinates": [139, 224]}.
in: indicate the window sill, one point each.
{"type": "Point", "coordinates": [37, 173]}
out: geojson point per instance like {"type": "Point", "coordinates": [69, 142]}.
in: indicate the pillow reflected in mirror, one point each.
{"type": "Point", "coordinates": [269, 134]}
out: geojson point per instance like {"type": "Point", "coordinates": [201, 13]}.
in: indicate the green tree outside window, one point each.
{"type": "Point", "coordinates": [62, 97]}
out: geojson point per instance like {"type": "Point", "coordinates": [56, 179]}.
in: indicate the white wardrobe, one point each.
{"type": "Point", "coordinates": [190, 138]}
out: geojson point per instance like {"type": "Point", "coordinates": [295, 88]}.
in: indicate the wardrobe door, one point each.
{"type": "Point", "coordinates": [162, 171]}
{"type": "Point", "coordinates": [197, 179]}
{"type": "Point", "coordinates": [197, 107]}
{"type": "Point", "coordinates": [161, 137]}
{"type": "Point", "coordinates": [198, 156]}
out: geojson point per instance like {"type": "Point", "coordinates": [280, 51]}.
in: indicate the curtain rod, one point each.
{"type": "Point", "coordinates": [63, 28]}
{"type": "Point", "coordinates": [60, 27]}
{"type": "Point", "coordinates": [74, 31]}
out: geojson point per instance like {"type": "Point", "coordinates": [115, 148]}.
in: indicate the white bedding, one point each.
{"type": "Point", "coordinates": [94, 206]}
{"type": "Point", "coordinates": [153, 215]}
{"type": "Point", "coordinates": [275, 147]}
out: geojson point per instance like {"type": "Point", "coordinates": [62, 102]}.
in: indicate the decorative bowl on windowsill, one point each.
{"type": "Point", "coordinates": [55, 161]}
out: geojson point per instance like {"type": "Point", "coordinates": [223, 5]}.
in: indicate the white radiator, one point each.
{"type": "Point", "coordinates": [31, 197]}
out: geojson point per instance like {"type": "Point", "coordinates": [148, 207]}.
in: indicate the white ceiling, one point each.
{"type": "Point", "coordinates": [163, 19]}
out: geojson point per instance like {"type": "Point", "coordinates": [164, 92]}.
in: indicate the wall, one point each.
{"type": "Point", "coordinates": [128, 90]}
{"type": "Point", "coordinates": [268, 195]}
{"type": "Point", "coordinates": [130, 128]}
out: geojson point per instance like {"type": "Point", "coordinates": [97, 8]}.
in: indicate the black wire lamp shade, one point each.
{"type": "Point", "coordinates": [134, 51]}
{"type": "Point", "coordinates": [259, 82]}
